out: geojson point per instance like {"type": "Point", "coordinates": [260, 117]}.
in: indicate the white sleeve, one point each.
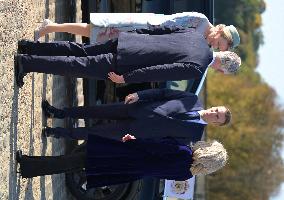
{"type": "Point", "coordinates": [187, 20]}
{"type": "Point", "coordinates": [120, 20]}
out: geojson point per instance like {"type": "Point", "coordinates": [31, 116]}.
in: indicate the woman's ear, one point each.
{"type": "Point", "coordinates": [219, 28]}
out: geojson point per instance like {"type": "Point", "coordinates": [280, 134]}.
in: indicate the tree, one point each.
{"type": "Point", "coordinates": [253, 140]}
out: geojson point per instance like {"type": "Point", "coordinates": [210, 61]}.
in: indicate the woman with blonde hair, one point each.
{"type": "Point", "coordinates": [208, 157]}
{"type": "Point", "coordinates": [109, 162]}
{"type": "Point", "coordinates": [105, 26]}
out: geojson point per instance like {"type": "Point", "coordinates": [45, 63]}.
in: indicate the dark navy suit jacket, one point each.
{"type": "Point", "coordinates": [180, 55]}
{"type": "Point", "coordinates": [154, 113]}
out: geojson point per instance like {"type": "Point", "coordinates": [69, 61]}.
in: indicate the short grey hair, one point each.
{"type": "Point", "coordinates": [230, 62]}
{"type": "Point", "coordinates": [208, 157]}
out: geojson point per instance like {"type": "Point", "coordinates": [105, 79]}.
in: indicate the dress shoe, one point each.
{"type": "Point", "coordinates": [18, 70]}
{"type": "Point", "coordinates": [50, 111]}
{"type": "Point", "coordinates": [19, 156]}
{"type": "Point", "coordinates": [45, 131]}
{"type": "Point", "coordinates": [48, 132]}
{"type": "Point", "coordinates": [22, 46]}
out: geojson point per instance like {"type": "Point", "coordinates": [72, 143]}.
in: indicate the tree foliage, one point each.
{"type": "Point", "coordinates": [246, 16]}
{"type": "Point", "coordinates": [254, 139]}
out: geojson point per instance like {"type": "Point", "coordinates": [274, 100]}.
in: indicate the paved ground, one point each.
{"type": "Point", "coordinates": [21, 118]}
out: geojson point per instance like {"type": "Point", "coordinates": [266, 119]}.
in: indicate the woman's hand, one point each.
{"type": "Point", "coordinates": [103, 35]}
{"type": "Point", "coordinates": [107, 33]}
{"type": "Point", "coordinates": [116, 78]}
{"type": "Point", "coordinates": [128, 137]}
{"type": "Point", "coordinates": [131, 98]}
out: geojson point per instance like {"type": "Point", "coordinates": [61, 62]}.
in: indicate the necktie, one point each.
{"type": "Point", "coordinates": [187, 116]}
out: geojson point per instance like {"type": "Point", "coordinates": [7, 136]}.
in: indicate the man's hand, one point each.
{"type": "Point", "coordinates": [128, 137]}
{"type": "Point", "coordinates": [116, 78]}
{"type": "Point", "coordinates": [131, 98]}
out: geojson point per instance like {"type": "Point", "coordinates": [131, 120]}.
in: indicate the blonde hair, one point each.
{"type": "Point", "coordinates": [208, 157]}
{"type": "Point", "coordinates": [226, 34]}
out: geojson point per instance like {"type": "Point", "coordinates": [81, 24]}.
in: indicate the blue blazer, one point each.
{"type": "Point", "coordinates": [154, 110]}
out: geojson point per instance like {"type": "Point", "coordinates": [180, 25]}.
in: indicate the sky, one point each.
{"type": "Point", "coordinates": [271, 55]}
{"type": "Point", "coordinates": [272, 52]}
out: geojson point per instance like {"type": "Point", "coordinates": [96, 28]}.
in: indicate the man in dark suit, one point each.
{"type": "Point", "coordinates": [130, 58]}
{"type": "Point", "coordinates": [153, 113]}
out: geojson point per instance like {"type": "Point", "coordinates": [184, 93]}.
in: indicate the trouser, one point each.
{"type": "Point", "coordinates": [115, 130]}
{"type": "Point", "coordinates": [80, 67]}
{"type": "Point", "coordinates": [66, 48]}
{"type": "Point", "coordinates": [114, 111]}
{"type": "Point", "coordinates": [71, 59]}
{"type": "Point", "coordinates": [31, 166]}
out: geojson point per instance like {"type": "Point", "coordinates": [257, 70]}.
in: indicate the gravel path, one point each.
{"type": "Point", "coordinates": [21, 118]}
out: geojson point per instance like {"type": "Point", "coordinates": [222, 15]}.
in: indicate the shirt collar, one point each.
{"type": "Point", "coordinates": [201, 120]}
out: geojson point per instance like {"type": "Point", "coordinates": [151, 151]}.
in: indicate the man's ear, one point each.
{"type": "Point", "coordinates": [216, 123]}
